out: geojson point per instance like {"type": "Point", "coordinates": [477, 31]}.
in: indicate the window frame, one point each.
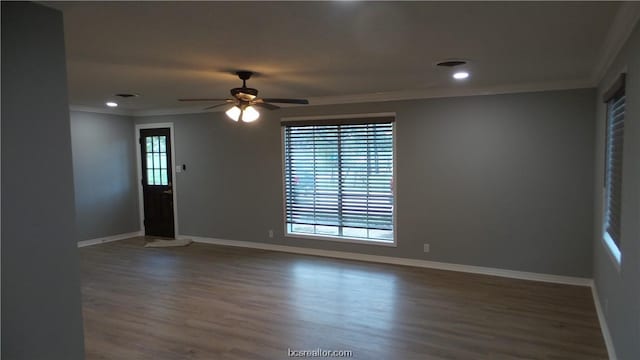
{"type": "Point", "coordinates": [614, 249]}
{"type": "Point", "coordinates": [344, 239]}
{"type": "Point", "coordinates": [151, 181]}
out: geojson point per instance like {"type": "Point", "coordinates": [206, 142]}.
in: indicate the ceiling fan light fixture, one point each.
{"type": "Point", "coordinates": [244, 99]}
{"type": "Point", "coordinates": [250, 114]}
{"type": "Point", "coordinates": [234, 113]}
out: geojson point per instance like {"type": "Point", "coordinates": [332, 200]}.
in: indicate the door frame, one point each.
{"type": "Point", "coordinates": [173, 172]}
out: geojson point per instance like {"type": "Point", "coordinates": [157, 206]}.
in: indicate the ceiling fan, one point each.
{"type": "Point", "coordinates": [245, 99]}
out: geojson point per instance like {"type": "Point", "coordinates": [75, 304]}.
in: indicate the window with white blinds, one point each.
{"type": "Point", "coordinates": [339, 178]}
{"type": "Point", "coordinates": [615, 99]}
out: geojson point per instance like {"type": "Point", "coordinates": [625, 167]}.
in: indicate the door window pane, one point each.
{"type": "Point", "coordinates": [157, 160]}
{"type": "Point", "coordinates": [150, 180]}
{"type": "Point", "coordinates": [163, 161]}
{"type": "Point", "coordinates": [163, 176]}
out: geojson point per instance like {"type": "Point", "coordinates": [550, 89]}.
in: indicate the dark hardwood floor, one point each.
{"type": "Point", "coordinates": [215, 302]}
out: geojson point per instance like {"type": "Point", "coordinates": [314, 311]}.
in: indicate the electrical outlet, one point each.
{"type": "Point", "coordinates": [426, 248]}
{"type": "Point", "coordinates": [270, 234]}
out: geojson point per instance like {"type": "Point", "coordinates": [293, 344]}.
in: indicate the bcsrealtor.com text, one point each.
{"type": "Point", "coordinates": [319, 353]}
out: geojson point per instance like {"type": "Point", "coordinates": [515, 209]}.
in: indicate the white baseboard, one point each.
{"type": "Point", "coordinates": [107, 239]}
{"type": "Point", "coordinates": [398, 261]}
{"type": "Point", "coordinates": [608, 341]}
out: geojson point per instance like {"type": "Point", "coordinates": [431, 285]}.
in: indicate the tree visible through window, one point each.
{"type": "Point", "coordinates": [339, 178]}
{"type": "Point", "coordinates": [156, 160]}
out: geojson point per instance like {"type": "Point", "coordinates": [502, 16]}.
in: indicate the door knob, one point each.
{"type": "Point", "coordinates": [168, 191]}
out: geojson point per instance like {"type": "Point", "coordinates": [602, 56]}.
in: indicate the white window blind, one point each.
{"type": "Point", "coordinates": [615, 99]}
{"type": "Point", "coordinates": [339, 178]}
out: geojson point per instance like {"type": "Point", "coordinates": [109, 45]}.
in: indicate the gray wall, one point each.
{"type": "Point", "coordinates": [619, 290]}
{"type": "Point", "coordinates": [104, 170]}
{"type": "Point", "coordinates": [41, 314]}
{"type": "Point", "coordinates": [501, 181]}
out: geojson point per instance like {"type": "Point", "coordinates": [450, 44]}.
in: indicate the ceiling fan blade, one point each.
{"type": "Point", "coordinates": [215, 106]}
{"type": "Point", "coordinates": [287, 101]}
{"type": "Point", "coordinates": [266, 105]}
{"type": "Point", "coordinates": [205, 100]}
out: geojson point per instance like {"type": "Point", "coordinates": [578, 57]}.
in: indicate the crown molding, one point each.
{"type": "Point", "coordinates": [623, 24]}
{"type": "Point", "coordinates": [457, 91]}
{"type": "Point", "coordinates": [100, 110]}
{"type": "Point", "coordinates": [175, 111]}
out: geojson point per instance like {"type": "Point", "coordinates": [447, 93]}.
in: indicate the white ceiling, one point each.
{"type": "Point", "coordinates": [326, 51]}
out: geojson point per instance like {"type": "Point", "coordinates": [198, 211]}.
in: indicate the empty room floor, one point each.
{"type": "Point", "coordinates": [216, 302]}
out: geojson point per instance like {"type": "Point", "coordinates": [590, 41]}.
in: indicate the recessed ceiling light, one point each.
{"type": "Point", "coordinates": [112, 104]}
{"type": "Point", "coordinates": [461, 75]}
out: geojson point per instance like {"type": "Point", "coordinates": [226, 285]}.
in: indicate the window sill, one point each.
{"type": "Point", "coordinates": [341, 239]}
{"type": "Point", "coordinates": [612, 249]}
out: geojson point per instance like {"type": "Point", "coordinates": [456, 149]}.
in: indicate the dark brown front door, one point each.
{"type": "Point", "coordinates": [157, 182]}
